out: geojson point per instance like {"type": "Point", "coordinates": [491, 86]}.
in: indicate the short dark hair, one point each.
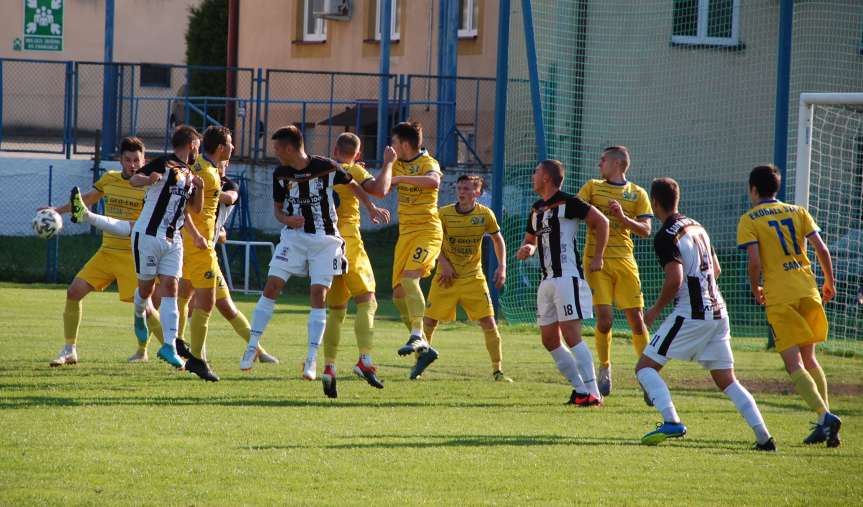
{"type": "Point", "coordinates": [131, 144]}
{"type": "Point", "coordinates": [213, 137]}
{"type": "Point", "coordinates": [554, 169]}
{"type": "Point", "coordinates": [184, 135]}
{"type": "Point", "coordinates": [766, 180]}
{"type": "Point", "coordinates": [409, 132]}
{"type": "Point", "coordinates": [620, 153]}
{"type": "Point", "coordinates": [666, 192]}
{"type": "Point", "coordinates": [473, 178]}
{"type": "Point", "coordinates": [289, 135]}
{"type": "Point", "coordinates": [347, 143]}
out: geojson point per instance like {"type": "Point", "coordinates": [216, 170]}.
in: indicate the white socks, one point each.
{"type": "Point", "coordinates": [658, 392]}
{"type": "Point", "coordinates": [584, 359]}
{"type": "Point", "coordinates": [141, 304]}
{"type": "Point", "coordinates": [108, 224]}
{"type": "Point", "coordinates": [749, 410]}
{"type": "Point", "coordinates": [169, 317]}
{"type": "Point", "coordinates": [567, 366]}
{"type": "Point", "coordinates": [366, 360]}
{"type": "Point", "coordinates": [260, 319]}
{"type": "Point", "coordinates": [316, 325]}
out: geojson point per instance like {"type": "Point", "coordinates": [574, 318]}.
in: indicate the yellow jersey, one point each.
{"type": "Point", "coordinates": [348, 209]}
{"type": "Point", "coordinates": [417, 206]}
{"type": "Point", "coordinates": [463, 233]}
{"type": "Point", "coordinates": [635, 203]}
{"type": "Point", "coordinates": [780, 231]}
{"type": "Point", "coordinates": [205, 221]}
{"type": "Point", "coordinates": [123, 202]}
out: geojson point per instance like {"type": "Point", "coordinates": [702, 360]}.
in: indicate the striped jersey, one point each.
{"type": "Point", "coordinates": [348, 206]}
{"type": "Point", "coordinates": [683, 240]}
{"type": "Point", "coordinates": [308, 193]}
{"type": "Point", "coordinates": [553, 222]}
{"type": "Point", "coordinates": [635, 203]}
{"type": "Point", "coordinates": [225, 210]}
{"type": "Point", "coordinates": [123, 202]}
{"type": "Point", "coordinates": [462, 237]}
{"type": "Point", "coordinates": [417, 206]}
{"type": "Point", "coordinates": [166, 199]}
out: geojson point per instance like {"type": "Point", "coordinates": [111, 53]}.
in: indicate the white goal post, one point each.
{"type": "Point", "coordinates": [247, 246]}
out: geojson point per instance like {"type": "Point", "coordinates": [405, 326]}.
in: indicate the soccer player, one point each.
{"type": "Point", "coordinates": [359, 282]}
{"type": "Point", "coordinates": [417, 177]}
{"type": "Point", "coordinates": [774, 235]}
{"type": "Point", "coordinates": [459, 278]}
{"type": "Point", "coordinates": [627, 208]}
{"type": "Point", "coordinates": [113, 260]}
{"type": "Point", "coordinates": [310, 243]}
{"type": "Point", "coordinates": [156, 242]}
{"type": "Point", "coordinates": [697, 328]}
{"type": "Point", "coordinates": [563, 297]}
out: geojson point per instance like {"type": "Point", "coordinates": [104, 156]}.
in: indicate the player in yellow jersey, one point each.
{"type": "Point", "coordinates": [113, 261]}
{"type": "Point", "coordinates": [774, 235]}
{"type": "Point", "coordinates": [459, 278]}
{"type": "Point", "coordinates": [627, 208]}
{"type": "Point", "coordinates": [417, 177]}
{"type": "Point", "coordinates": [359, 282]}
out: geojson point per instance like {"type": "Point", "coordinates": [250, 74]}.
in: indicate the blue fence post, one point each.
{"type": "Point", "coordinates": [1, 102]}
{"type": "Point", "coordinates": [109, 86]}
{"type": "Point", "coordinates": [383, 98]}
{"type": "Point", "coordinates": [499, 143]}
{"type": "Point", "coordinates": [533, 71]}
{"type": "Point", "coordinates": [446, 85]}
{"type": "Point", "coordinates": [783, 86]}
{"type": "Point", "coordinates": [257, 118]}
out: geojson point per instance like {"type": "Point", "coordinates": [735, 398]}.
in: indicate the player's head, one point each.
{"type": "Point", "coordinates": [469, 187]}
{"type": "Point", "coordinates": [614, 162]}
{"type": "Point", "coordinates": [287, 143]}
{"type": "Point", "coordinates": [664, 196]}
{"type": "Point", "coordinates": [764, 182]}
{"type": "Point", "coordinates": [347, 148]}
{"type": "Point", "coordinates": [186, 141]}
{"type": "Point", "coordinates": [548, 175]}
{"type": "Point", "coordinates": [131, 156]}
{"type": "Point", "coordinates": [407, 139]}
{"type": "Point", "coordinates": [218, 143]}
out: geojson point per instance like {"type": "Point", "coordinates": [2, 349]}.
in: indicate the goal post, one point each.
{"type": "Point", "coordinates": [247, 247]}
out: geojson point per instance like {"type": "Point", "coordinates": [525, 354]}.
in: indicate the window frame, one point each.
{"type": "Point", "coordinates": [395, 34]}
{"type": "Point", "coordinates": [151, 83]}
{"type": "Point", "coordinates": [703, 22]}
{"type": "Point", "coordinates": [471, 20]}
{"type": "Point", "coordinates": [307, 11]}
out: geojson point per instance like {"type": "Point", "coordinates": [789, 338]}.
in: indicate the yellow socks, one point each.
{"type": "Point", "coordinates": [415, 302]}
{"type": "Point", "coordinates": [198, 328]}
{"type": "Point", "coordinates": [806, 388]}
{"type": "Point", "coordinates": [820, 380]}
{"type": "Point", "coordinates": [493, 345]}
{"type": "Point", "coordinates": [183, 313]}
{"type": "Point", "coordinates": [333, 333]}
{"type": "Point", "coordinates": [639, 343]}
{"type": "Point", "coordinates": [402, 307]}
{"type": "Point", "coordinates": [364, 325]}
{"type": "Point", "coordinates": [71, 321]}
{"type": "Point", "coordinates": [155, 326]}
{"type": "Point", "coordinates": [603, 347]}
{"type": "Point", "coordinates": [428, 331]}
{"type": "Point", "coordinates": [241, 326]}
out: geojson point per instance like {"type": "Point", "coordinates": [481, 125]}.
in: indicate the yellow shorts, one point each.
{"type": "Point", "coordinates": [800, 323]}
{"type": "Point", "coordinates": [222, 290]}
{"type": "Point", "coordinates": [618, 282]}
{"type": "Point", "coordinates": [201, 268]}
{"type": "Point", "coordinates": [471, 293]}
{"type": "Point", "coordinates": [108, 265]}
{"type": "Point", "coordinates": [416, 251]}
{"type": "Point", "coordinates": [359, 280]}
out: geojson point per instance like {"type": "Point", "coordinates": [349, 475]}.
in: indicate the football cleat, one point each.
{"type": "Point", "coordinates": [139, 357]}
{"type": "Point", "coordinates": [414, 344]}
{"type": "Point", "coordinates": [818, 435]}
{"type": "Point", "coordinates": [201, 369]}
{"type": "Point", "coordinates": [500, 377]}
{"type": "Point", "coordinates": [142, 332]}
{"type": "Point", "coordinates": [831, 429]}
{"type": "Point", "coordinates": [583, 400]}
{"type": "Point", "coordinates": [248, 358]}
{"type": "Point", "coordinates": [168, 353]}
{"type": "Point", "coordinates": [603, 381]}
{"type": "Point", "coordinates": [663, 431]}
{"type": "Point", "coordinates": [76, 206]}
{"type": "Point", "coordinates": [183, 349]}
{"type": "Point", "coordinates": [265, 357]}
{"type": "Point", "coordinates": [329, 381]}
{"type": "Point", "coordinates": [369, 374]}
{"type": "Point", "coordinates": [66, 356]}
{"type": "Point", "coordinates": [310, 369]}
{"type": "Point", "coordinates": [425, 359]}
{"type": "Point", "coordinates": [769, 446]}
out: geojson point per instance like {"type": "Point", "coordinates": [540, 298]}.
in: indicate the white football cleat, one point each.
{"type": "Point", "coordinates": [248, 358]}
{"type": "Point", "coordinates": [139, 357]}
{"type": "Point", "coordinates": [69, 355]}
{"type": "Point", "coordinates": [310, 369]}
{"type": "Point", "coordinates": [266, 357]}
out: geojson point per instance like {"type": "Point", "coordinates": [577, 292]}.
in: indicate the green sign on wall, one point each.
{"type": "Point", "coordinates": [43, 25]}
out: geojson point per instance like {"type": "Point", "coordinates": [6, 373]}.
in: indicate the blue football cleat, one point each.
{"type": "Point", "coordinates": [414, 344]}
{"type": "Point", "coordinates": [142, 332]}
{"type": "Point", "coordinates": [831, 429]}
{"type": "Point", "coordinates": [423, 361]}
{"type": "Point", "coordinates": [168, 353]}
{"type": "Point", "coordinates": [663, 431]}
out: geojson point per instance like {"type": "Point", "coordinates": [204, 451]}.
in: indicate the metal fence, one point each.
{"type": "Point", "coordinates": [68, 107]}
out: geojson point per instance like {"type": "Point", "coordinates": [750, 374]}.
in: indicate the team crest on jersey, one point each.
{"type": "Point", "coordinates": [414, 169]}
{"type": "Point", "coordinates": [208, 275]}
{"type": "Point", "coordinates": [629, 196]}
{"type": "Point", "coordinates": [477, 220]}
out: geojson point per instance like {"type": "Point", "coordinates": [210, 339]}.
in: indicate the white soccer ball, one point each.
{"type": "Point", "coordinates": [47, 223]}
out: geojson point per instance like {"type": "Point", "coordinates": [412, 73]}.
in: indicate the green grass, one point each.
{"type": "Point", "coordinates": [105, 432]}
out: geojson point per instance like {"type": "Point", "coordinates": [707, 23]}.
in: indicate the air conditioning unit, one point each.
{"type": "Point", "coordinates": [336, 10]}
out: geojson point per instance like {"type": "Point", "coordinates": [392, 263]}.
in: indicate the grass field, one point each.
{"type": "Point", "coordinates": [105, 432]}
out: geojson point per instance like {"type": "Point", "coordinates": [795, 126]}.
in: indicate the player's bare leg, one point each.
{"type": "Point", "coordinates": [494, 346]}
{"type": "Point", "coordinates": [76, 292]}
{"type": "Point", "coordinates": [261, 318]}
{"type": "Point", "coordinates": [602, 334]}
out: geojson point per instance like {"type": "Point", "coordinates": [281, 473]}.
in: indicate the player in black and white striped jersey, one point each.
{"type": "Point", "coordinates": [310, 244]}
{"type": "Point", "coordinates": [697, 328]}
{"type": "Point", "coordinates": [563, 298]}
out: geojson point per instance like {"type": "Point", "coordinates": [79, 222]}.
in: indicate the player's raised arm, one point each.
{"type": "Point", "coordinates": [599, 224]}
{"type": "Point", "coordinates": [142, 180]}
{"type": "Point", "coordinates": [378, 215]}
{"type": "Point", "coordinates": [753, 268]}
{"type": "Point", "coordinates": [828, 289]}
{"type": "Point", "coordinates": [380, 185]}
{"type": "Point", "coordinates": [429, 180]}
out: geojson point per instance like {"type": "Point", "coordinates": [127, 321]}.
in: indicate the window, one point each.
{"type": "Point", "coordinates": [155, 75]}
{"type": "Point", "coordinates": [314, 27]}
{"type": "Point", "coordinates": [395, 22]}
{"type": "Point", "coordinates": [706, 22]}
{"type": "Point", "coordinates": [468, 13]}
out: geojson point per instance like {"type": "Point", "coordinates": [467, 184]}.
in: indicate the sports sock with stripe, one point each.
{"type": "Point", "coordinates": [260, 319]}
{"type": "Point", "coordinates": [169, 317]}
{"type": "Point", "coordinates": [658, 391]}
{"type": "Point", "coordinates": [820, 380]}
{"type": "Point", "coordinates": [806, 388]}
{"type": "Point", "coordinates": [747, 407]}
{"type": "Point", "coordinates": [364, 325]}
{"type": "Point", "coordinates": [584, 359]}
{"type": "Point", "coordinates": [71, 321]}
{"type": "Point", "coordinates": [316, 325]}
{"type": "Point", "coordinates": [567, 366]}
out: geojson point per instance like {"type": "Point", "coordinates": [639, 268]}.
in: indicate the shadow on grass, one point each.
{"type": "Point", "coordinates": [431, 441]}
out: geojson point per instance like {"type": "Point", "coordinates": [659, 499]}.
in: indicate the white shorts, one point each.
{"type": "Point", "coordinates": [705, 341]}
{"type": "Point", "coordinates": [316, 256]}
{"type": "Point", "coordinates": [155, 256]}
{"type": "Point", "coordinates": [563, 299]}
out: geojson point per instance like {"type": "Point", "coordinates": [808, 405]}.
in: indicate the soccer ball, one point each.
{"type": "Point", "coordinates": [47, 223]}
